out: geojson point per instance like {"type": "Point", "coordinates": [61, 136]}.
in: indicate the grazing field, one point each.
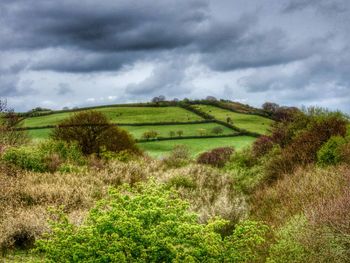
{"type": "Point", "coordinates": [123, 115]}
{"type": "Point", "coordinates": [196, 146]}
{"type": "Point", "coordinates": [39, 134]}
{"type": "Point", "coordinates": [188, 129]}
{"type": "Point", "coordinates": [163, 130]}
{"type": "Point", "coordinates": [252, 123]}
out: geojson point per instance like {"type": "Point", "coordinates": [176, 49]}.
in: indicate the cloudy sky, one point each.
{"type": "Point", "coordinates": [85, 52]}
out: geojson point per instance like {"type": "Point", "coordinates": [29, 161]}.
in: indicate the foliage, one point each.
{"type": "Point", "coordinates": [91, 130]}
{"type": "Point", "coordinates": [148, 224]}
{"type": "Point", "coordinates": [178, 157]}
{"type": "Point", "coordinates": [47, 156]}
{"type": "Point", "coordinates": [262, 145]}
{"type": "Point", "coordinates": [9, 136]}
{"type": "Point", "coordinates": [150, 135]}
{"type": "Point", "coordinates": [216, 157]}
{"type": "Point", "coordinates": [217, 130]}
{"type": "Point", "coordinates": [288, 248]}
{"type": "Point", "coordinates": [179, 132]}
{"type": "Point", "coordinates": [301, 149]}
{"type": "Point", "coordinates": [330, 152]}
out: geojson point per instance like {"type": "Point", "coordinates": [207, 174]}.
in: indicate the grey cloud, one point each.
{"type": "Point", "coordinates": [327, 6]}
{"type": "Point", "coordinates": [168, 78]}
{"type": "Point", "coordinates": [109, 35]}
{"type": "Point", "coordinates": [64, 89]}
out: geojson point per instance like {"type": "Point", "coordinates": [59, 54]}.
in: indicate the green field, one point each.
{"type": "Point", "coordinates": [163, 130]}
{"type": "Point", "coordinates": [188, 129]}
{"type": "Point", "coordinates": [196, 146]}
{"type": "Point", "coordinates": [252, 123]}
{"type": "Point", "coordinates": [123, 115]}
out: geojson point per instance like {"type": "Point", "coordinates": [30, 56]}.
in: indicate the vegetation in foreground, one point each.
{"type": "Point", "coordinates": [285, 199]}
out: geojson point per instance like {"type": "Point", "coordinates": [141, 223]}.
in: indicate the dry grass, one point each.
{"type": "Point", "coordinates": [26, 196]}
{"type": "Point", "coordinates": [209, 190]}
{"type": "Point", "coordinates": [298, 193]}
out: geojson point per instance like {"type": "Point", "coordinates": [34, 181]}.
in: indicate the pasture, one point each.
{"type": "Point", "coordinates": [163, 130]}
{"type": "Point", "coordinates": [122, 115]}
{"type": "Point", "coordinates": [252, 123]}
{"type": "Point", "coordinates": [196, 146]}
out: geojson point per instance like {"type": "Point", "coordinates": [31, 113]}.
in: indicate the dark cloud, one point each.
{"type": "Point", "coordinates": [106, 36]}
{"type": "Point", "coordinates": [288, 48]}
{"type": "Point", "coordinates": [333, 6]}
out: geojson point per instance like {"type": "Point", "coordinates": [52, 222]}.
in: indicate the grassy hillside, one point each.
{"type": "Point", "coordinates": [196, 146]}
{"type": "Point", "coordinates": [252, 123]}
{"type": "Point", "coordinates": [123, 115]}
{"type": "Point", "coordinates": [163, 130]}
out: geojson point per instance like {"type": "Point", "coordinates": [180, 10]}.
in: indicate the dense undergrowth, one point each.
{"type": "Point", "coordinates": [285, 199]}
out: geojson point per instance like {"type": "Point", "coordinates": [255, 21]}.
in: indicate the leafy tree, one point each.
{"type": "Point", "coordinates": [180, 133]}
{"type": "Point", "coordinates": [172, 133]}
{"type": "Point", "coordinates": [202, 132]}
{"type": "Point", "coordinates": [217, 130]}
{"type": "Point", "coordinates": [92, 131]}
{"type": "Point", "coordinates": [148, 223]}
{"type": "Point", "coordinates": [150, 135]}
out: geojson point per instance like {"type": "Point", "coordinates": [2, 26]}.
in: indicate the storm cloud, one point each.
{"type": "Point", "coordinates": [121, 51]}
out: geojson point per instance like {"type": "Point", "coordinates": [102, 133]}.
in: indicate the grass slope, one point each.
{"type": "Point", "coordinates": [252, 123]}
{"type": "Point", "coordinates": [123, 115]}
{"type": "Point", "coordinates": [196, 146]}
{"type": "Point", "coordinates": [137, 131]}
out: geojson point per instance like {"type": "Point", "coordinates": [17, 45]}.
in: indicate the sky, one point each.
{"type": "Point", "coordinates": [74, 53]}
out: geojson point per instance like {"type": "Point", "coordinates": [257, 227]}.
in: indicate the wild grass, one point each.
{"type": "Point", "coordinates": [26, 196]}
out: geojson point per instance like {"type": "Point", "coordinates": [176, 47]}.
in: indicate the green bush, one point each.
{"type": "Point", "coordinates": [25, 158]}
{"type": "Point", "coordinates": [148, 224]}
{"type": "Point", "coordinates": [288, 248]}
{"type": "Point", "coordinates": [45, 157]}
{"type": "Point", "coordinates": [331, 152]}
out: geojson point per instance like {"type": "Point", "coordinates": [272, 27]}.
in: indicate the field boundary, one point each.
{"type": "Point", "coordinates": [117, 124]}
{"type": "Point", "coordinates": [195, 137]}
{"type": "Point", "coordinates": [135, 105]}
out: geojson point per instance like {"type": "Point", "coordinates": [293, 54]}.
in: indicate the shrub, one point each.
{"type": "Point", "coordinates": [25, 158]}
{"type": "Point", "coordinates": [178, 157]}
{"type": "Point", "coordinates": [172, 133]}
{"type": "Point", "coordinates": [8, 127]}
{"type": "Point", "coordinates": [217, 130]}
{"type": "Point", "coordinates": [91, 130]}
{"type": "Point", "coordinates": [180, 133]}
{"type": "Point", "coordinates": [47, 156]}
{"type": "Point", "coordinates": [262, 145]}
{"type": "Point", "coordinates": [150, 135]}
{"type": "Point", "coordinates": [202, 132]}
{"type": "Point", "coordinates": [148, 224]}
{"type": "Point", "coordinates": [303, 147]}
{"type": "Point", "coordinates": [216, 157]}
{"type": "Point", "coordinates": [330, 152]}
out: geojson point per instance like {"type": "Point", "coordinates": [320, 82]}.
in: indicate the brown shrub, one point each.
{"type": "Point", "coordinates": [297, 193]}
{"type": "Point", "coordinates": [217, 157]}
{"type": "Point", "coordinates": [303, 148]}
{"type": "Point", "coordinates": [262, 146]}
{"type": "Point", "coordinates": [53, 162]}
